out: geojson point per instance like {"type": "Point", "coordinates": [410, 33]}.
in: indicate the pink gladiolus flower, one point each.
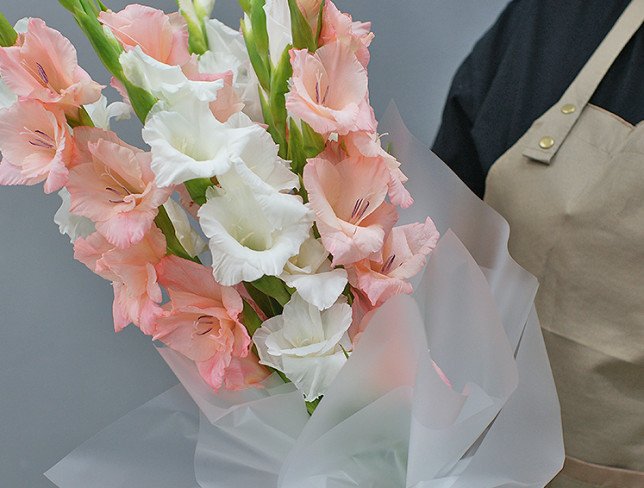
{"type": "Point", "coordinates": [329, 90]}
{"type": "Point", "coordinates": [132, 272]}
{"type": "Point", "coordinates": [161, 36]}
{"type": "Point", "coordinates": [404, 254]}
{"type": "Point", "coordinates": [348, 198]}
{"type": "Point", "coordinates": [338, 26]}
{"type": "Point", "coordinates": [114, 187]}
{"type": "Point", "coordinates": [202, 323]}
{"type": "Point", "coordinates": [367, 145]}
{"type": "Point", "coordinates": [43, 66]}
{"type": "Point", "coordinates": [36, 146]}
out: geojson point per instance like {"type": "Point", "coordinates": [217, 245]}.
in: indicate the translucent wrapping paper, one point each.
{"type": "Point", "coordinates": [390, 419]}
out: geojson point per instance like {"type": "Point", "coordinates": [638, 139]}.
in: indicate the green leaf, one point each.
{"type": "Point", "coordinates": [251, 320]}
{"type": "Point", "coordinates": [277, 100]}
{"type": "Point", "coordinates": [260, 67]}
{"type": "Point", "coordinates": [274, 288]}
{"type": "Point", "coordinates": [164, 223]}
{"type": "Point", "coordinates": [302, 33]}
{"type": "Point", "coordinates": [268, 305]}
{"type": "Point", "coordinates": [245, 5]}
{"type": "Point", "coordinates": [311, 406]}
{"type": "Point", "coordinates": [260, 32]}
{"type": "Point", "coordinates": [313, 142]}
{"type": "Point", "coordinates": [8, 34]}
{"type": "Point", "coordinates": [296, 148]}
{"type": "Point", "coordinates": [84, 120]}
{"type": "Point", "coordinates": [197, 189]}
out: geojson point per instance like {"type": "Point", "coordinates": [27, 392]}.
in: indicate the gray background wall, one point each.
{"type": "Point", "coordinates": [64, 374]}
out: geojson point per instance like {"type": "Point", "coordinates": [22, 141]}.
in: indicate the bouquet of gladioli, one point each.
{"type": "Point", "coordinates": [263, 148]}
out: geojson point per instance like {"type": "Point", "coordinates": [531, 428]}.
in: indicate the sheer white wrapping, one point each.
{"type": "Point", "coordinates": [388, 420]}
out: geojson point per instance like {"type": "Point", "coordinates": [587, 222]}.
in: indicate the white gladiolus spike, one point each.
{"type": "Point", "coordinates": [311, 274]}
{"type": "Point", "coordinates": [72, 225]}
{"type": "Point", "coordinates": [167, 83]}
{"type": "Point", "coordinates": [252, 231]}
{"type": "Point", "coordinates": [278, 25]}
{"type": "Point", "coordinates": [227, 51]}
{"type": "Point", "coordinates": [305, 344]}
{"type": "Point", "coordinates": [191, 241]}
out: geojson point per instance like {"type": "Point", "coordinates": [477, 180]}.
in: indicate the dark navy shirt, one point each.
{"type": "Point", "coordinates": [521, 67]}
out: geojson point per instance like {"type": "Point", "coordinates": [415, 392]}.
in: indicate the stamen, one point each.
{"type": "Point", "coordinates": [326, 94]}
{"type": "Point", "coordinates": [356, 207]}
{"type": "Point", "coordinates": [388, 264]}
{"type": "Point", "coordinates": [41, 143]}
{"type": "Point", "coordinates": [360, 209]}
{"type": "Point", "coordinates": [317, 91]}
{"type": "Point", "coordinates": [42, 73]}
{"type": "Point", "coordinates": [199, 322]}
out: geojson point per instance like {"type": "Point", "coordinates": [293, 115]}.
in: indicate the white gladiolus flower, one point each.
{"type": "Point", "coordinates": [101, 113]}
{"type": "Point", "coordinates": [74, 226]}
{"type": "Point", "coordinates": [7, 97]}
{"type": "Point", "coordinates": [278, 25]}
{"type": "Point", "coordinates": [311, 274]}
{"type": "Point", "coordinates": [187, 144]}
{"type": "Point", "coordinates": [306, 344]}
{"type": "Point", "coordinates": [254, 153]}
{"type": "Point", "coordinates": [252, 231]}
{"type": "Point", "coordinates": [167, 83]}
{"type": "Point", "coordinates": [187, 236]}
{"type": "Point", "coordinates": [227, 51]}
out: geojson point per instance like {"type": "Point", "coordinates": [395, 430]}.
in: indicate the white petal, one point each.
{"type": "Point", "coordinates": [22, 25]}
{"type": "Point", "coordinates": [305, 344]}
{"type": "Point", "coordinates": [252, 233]}
{"type": "Point", "coordinates": [7, 97]}
{"type": "Point", "coordinates": [187, 236]}
{"type": "Point", "coordinates": [278, 25]}
{"type": "Point", "coordinates": [167, 83]}
{"type": "Point", "coordinates": [321, 289]}
{"type": "Point", "coordinates": [101, 113]}
{"type": "Point", "coordinates": [74, 226]}
{"type": "Point", "coordinates": [187, 145]}
{"type": "Point", "coordinates": [228, 52]}
{"type": "Point", "coordinates": [314, 375]}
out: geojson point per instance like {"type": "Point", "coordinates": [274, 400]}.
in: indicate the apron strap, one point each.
{"type": "Point", "coordinates": [543, 144]}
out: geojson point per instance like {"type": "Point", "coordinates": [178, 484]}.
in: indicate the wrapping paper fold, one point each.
{"type": "Point", "coordinates": [389, 420]}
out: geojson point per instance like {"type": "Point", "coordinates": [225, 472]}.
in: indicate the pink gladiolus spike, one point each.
{"type": "Point", "coordinates": [202, 322]}
{"type": "Point", "coordinates": [160, 36]}
{"type": "Point", "coordinates": [114, 186]}
{"type": "Point", "coordinates": [36, 146]}
{"type": "Point", "coordinates": [43, 66]}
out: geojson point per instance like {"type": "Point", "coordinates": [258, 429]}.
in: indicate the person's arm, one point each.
{"type": "Point", "coordinates": [470, 90]}
{"type": "Point", "coordinates": [454, 143]}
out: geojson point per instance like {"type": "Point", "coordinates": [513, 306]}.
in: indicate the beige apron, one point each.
{"type": "Point", "coordinates": [572, 189]}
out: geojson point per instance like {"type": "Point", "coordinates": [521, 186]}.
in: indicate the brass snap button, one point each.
{"type": "Point", "coordinates": [546, 142]}
{"type": "Point", "coordinates": [568, 108]}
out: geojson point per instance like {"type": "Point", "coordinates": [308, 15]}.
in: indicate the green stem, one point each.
{"type": "Point", "coordinates": [164, 223]}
